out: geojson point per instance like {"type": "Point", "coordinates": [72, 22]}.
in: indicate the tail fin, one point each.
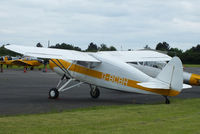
{"type": "Point", "coordinates": [172, 74]}
{"type": "Point", "coordinates": [171, 77]}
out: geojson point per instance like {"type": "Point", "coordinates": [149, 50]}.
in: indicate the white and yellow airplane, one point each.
{"type": "Point", "coordinates": [111, 70]}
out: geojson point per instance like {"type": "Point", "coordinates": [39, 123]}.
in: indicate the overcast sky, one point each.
{"type": "Point", "coordinates": [127, 23]}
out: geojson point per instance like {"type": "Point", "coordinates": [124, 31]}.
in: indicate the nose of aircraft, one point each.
{"type": "Point", "coordinates": [195, 79]}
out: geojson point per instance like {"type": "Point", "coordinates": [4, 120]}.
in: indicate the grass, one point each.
{"type": "Point", "coordinates": [22, 67]}
{"type": "Point", "coordinates": [191, 65]}
{"type": "Point", "coordinates": [182, 116]}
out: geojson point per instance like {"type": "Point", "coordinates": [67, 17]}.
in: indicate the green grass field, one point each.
{"type": "Point", "coordinates": [22, 67]}
{"type": "Point", "coordinates": [180, 117]}
{"type": "Point", "coordinates": [191, 65]}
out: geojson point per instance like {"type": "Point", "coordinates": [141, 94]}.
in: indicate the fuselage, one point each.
{"type": "Point", "coordinates": [110, 73]}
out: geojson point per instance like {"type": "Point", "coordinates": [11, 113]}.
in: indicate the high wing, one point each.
{"type": "Point", "coordinates": [52, 53]}
{"type": "Point", "coordinates": [136, 56]}
{"type": "Point", "coordinates": [126, 56]}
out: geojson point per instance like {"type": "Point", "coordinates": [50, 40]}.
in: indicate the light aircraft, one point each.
{"type": "Point", "coordinates": [7, 60]}
{"type": "Point", "coordinates": [111, 70]}
{"type": "Point", "coordinates": [21, 61]}
{"type": "Point", "coordinates": [27, 62]}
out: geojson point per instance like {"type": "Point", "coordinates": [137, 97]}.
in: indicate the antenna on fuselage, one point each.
{"type": "Point", "coordinates": [48, 43]}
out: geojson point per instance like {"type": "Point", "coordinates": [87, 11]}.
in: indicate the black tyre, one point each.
{"type": "Point", "coordinates": [94, 93]}
{"type": "Point", "coordinates": [53, 93]}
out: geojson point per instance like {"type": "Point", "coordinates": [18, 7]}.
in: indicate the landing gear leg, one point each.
{"type": "Point", "coordinates": [94, 92]}
{"type": "Point", "coordinates": [62, 86]}
{"type": "Point", "coordinates": [167, 101]}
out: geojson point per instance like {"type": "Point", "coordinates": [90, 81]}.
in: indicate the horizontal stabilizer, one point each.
{"type": "Point", "coordinates": [185, 86]}
{"type": "Point", "coordinates": [159, 85]}
{"type": "Point", "coordinates": [154, 85]}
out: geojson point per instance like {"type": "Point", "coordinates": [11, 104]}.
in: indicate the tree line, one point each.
{"type": "Point", "coordinates": [92, 47]}
{"type": "Point", "coordinates": [190, 56]}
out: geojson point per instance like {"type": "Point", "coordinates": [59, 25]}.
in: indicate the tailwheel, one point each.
{"type": "Point", "coordinates": [53, 93]}
{"type": "Point", "coordinates": [94, 92]}
{"type": "Point", "coordinates": [167, 101]}
{"type": "Point", "coordinates": [32, 68]}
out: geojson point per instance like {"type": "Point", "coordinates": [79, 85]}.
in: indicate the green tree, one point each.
{"type": "Point", "coordinates": [147, 47]}
{"type": "Point", "coordinates": [112, 48]}
{"type": "Point", "coordinates": [162, 46]}
{"type": "Point", "coordinates": [39, 45]}
{"type": "Point", "coordinates": [92, 47]}
{"type": "Point", "coordinates": [175, 52]}
{"type": "Point", "coordinates": [4, 52]}
{"type": "Point", "coordinates": [192, 55]}
{"type": "Point", "coordinates": [194, 49]}
{"type": "Point", "coordinates": [103, 47]}
{"type": "Point", "coordinates": [66, 46]}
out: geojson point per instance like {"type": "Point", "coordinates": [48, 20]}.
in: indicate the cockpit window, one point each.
{"type": "Point", "coordinates": [133, 63]}
{"type": "Point", "coordinates": [154, 64]}
{"type": "Point", "coordinates": [82, 63]}
{"type": "Point", "coordinates": [141, 63]}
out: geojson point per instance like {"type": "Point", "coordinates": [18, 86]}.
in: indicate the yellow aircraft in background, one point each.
{"type": "Point", "coordinates": [7, 60]}
{"type": "Point", "coordinates": [25, 61]}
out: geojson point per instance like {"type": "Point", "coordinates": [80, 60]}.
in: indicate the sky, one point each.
{"type": "Point", "coordinates": [125, 24]}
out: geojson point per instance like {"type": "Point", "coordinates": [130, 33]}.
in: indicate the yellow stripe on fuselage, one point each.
{"type": "Point", "coordinates": [111, 78]}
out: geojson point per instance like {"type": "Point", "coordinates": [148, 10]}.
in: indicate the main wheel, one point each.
{"type": "Point", "coordinates": [53, 93]}
{"type": "Point", "coordinates": [94, 92]}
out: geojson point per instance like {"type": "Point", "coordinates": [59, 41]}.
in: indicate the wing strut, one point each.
{"type": "Point", "coordinates": [57, 65]}
{"type": "Point", "coordinates": [64, 86]}
{"type": "Point", "coordinates": [63, 68]}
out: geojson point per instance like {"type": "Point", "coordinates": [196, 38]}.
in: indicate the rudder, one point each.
{"type": "Point", "coordinates": [172, 74]}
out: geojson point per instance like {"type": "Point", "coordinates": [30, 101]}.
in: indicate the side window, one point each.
{"type": "Point", "coordinates": [141, 63]}
{"type": "Point", "coordinates": [82, 63]}
{"type": "Point", "coordinates": [134, 63]}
